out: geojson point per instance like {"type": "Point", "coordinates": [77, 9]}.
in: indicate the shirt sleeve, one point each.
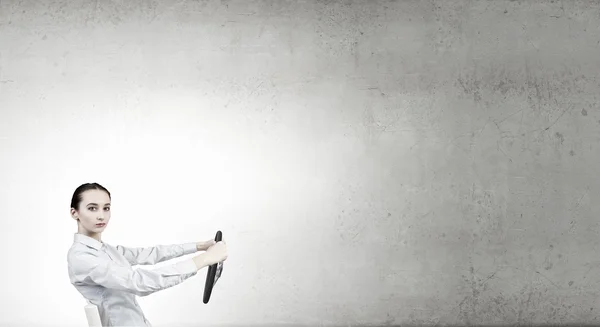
{"type": "Point", "coordinates": [155, 254]}
{"type": "Point", "coordinates": [90, 269]}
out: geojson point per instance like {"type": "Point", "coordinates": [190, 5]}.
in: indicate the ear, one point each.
{"type": "Point", "coordinates": [74, 214]}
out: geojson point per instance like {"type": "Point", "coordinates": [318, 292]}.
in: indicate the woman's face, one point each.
{"type": "Point", "coordinates": [94, 208]}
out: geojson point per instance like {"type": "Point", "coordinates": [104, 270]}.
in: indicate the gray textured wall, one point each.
{"type": "Point", "coordinates": [427, 161]}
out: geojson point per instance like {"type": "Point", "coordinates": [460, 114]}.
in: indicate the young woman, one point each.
{"type": "Point", "coordinates": [103, 273]}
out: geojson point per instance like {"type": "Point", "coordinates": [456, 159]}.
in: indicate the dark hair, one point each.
{"type": "Point", "coordinates": [77, 195]}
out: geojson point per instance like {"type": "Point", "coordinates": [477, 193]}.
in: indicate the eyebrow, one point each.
{"type": "Point", "coordinates": [95, 204]}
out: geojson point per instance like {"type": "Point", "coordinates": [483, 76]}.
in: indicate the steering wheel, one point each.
{"type": "Point", "coordinates": [214, 273]}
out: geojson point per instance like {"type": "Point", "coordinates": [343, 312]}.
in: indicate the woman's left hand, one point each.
{"type": "Point", "coordinates": [204, 245]}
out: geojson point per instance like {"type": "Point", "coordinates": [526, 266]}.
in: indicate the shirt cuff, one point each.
{"type": "Point", "coordinates": [186, 267]}
{"type": "Point", "coordinates": [189, 248]}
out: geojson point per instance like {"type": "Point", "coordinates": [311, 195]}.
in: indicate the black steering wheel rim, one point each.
{"type": "Point", "coordinates": [213, 274]}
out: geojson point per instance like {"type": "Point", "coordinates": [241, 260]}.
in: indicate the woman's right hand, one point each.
{"type": "Point", "coordinates": [216, 253]}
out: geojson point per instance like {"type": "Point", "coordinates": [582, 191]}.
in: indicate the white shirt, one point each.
{"type": "Point", "coordinates": [103, 274]}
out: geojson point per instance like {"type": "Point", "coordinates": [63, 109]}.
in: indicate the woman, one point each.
{"type": "Point", "coordinates": [103, 273]}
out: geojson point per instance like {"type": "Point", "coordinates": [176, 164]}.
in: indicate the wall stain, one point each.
{"type": "Point", "coordinates": [560, 137]}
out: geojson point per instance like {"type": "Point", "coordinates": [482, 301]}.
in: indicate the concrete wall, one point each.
{"type": "Point", "coordinates": [381, 162]}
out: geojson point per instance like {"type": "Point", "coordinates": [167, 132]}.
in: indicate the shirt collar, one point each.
{"type": "Point", "coordinates": [86, 240]}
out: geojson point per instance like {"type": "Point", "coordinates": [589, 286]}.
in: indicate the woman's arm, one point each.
{"type": "Point", "coordinates": [88, 268]}
{"type": "Point", "coordinates": [155, 254]}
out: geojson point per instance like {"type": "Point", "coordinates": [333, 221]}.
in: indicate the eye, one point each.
{"type": "Point", "coordinates": [91, 208]}
{"type": "Point", "coordinates": [107, 208]}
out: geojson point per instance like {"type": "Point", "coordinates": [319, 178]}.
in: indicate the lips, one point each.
{"type": "Point", "coordinates": [101, 225]}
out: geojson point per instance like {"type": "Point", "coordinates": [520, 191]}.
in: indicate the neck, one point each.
{"type": "Point", "coordinates": [96, 236]}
